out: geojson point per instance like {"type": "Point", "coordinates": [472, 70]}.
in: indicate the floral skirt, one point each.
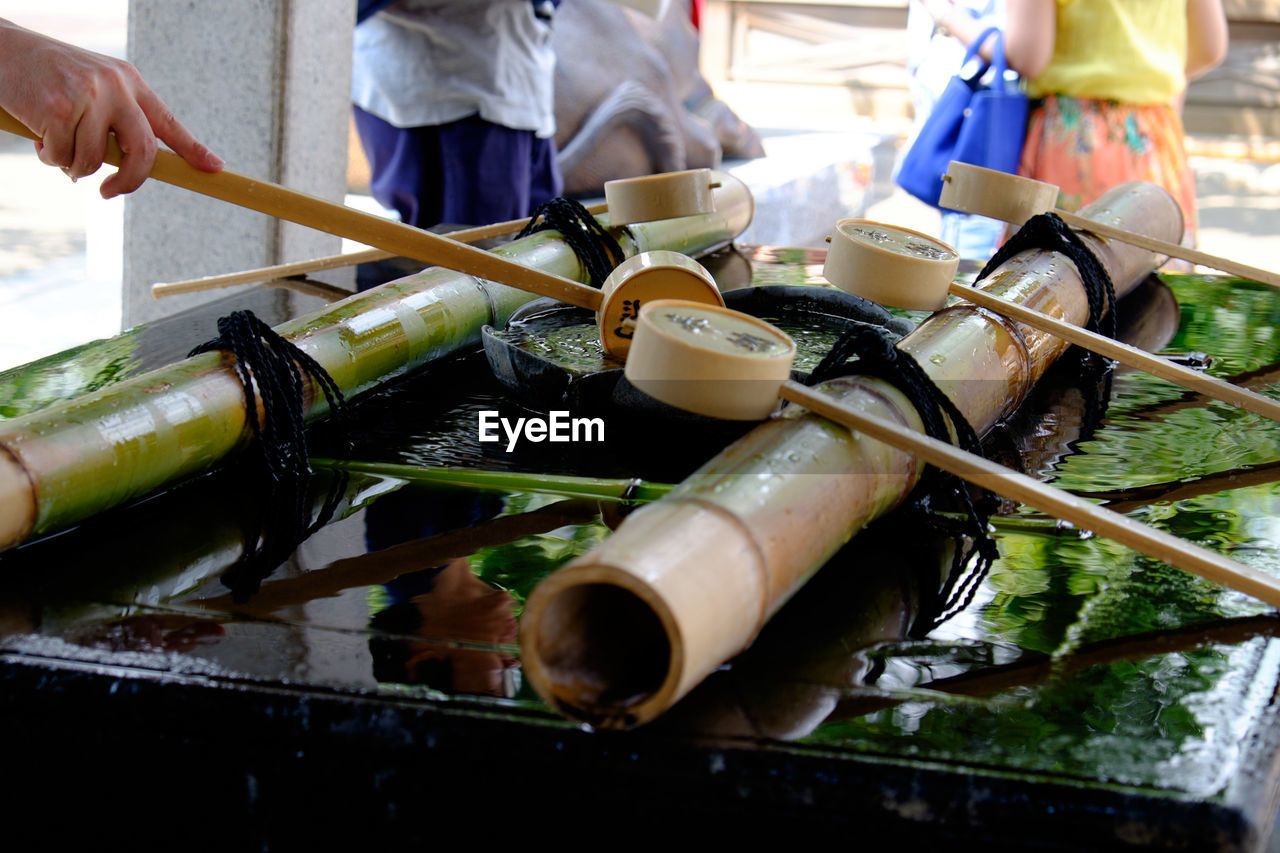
{"type": "Point", "coordinates": [1087, 146]}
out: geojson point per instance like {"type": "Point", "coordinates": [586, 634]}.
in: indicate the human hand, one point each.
{"type": "Point", "coordinates": [73, 98]}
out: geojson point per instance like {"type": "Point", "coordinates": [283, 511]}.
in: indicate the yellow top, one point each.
{"type": "Point", "coordinates": [1132, 51]}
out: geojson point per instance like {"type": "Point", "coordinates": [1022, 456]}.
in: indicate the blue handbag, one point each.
{"type": "Point", "coordinates": [984, 125]}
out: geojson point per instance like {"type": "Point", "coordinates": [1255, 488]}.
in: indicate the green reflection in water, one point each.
{"type": "Point", "coordinates": [520, 565]}
{"type": "Point", "coordinates": [1125, 723]}
{"type": "Point", "coordinates": [1143, 714]}
{"type": "Point", "coordinates": [1177, 435]}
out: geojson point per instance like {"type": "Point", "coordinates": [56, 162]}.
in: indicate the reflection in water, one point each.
{"type": "Point", "coordinates": [1081, 658]}
{"type": "Point", "coordinates": [465, 624]}
{"type": "Point", "coordinates": [778, 265]}
{"type": "Point", "coordinates": [811, 652]}
{"type": "Point", "coordinates": [152, 553]}
{"type": "Point", "coordinates": [286, 520]}
{"type": "Point", "coordinates": [152, 632]}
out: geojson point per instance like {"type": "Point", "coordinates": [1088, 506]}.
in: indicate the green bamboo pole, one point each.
{"type": "Point", "coordinates": [620, 634]}
{"type": "Point", "coordinates": [601, 488]}
{"type": "Point", "coordinates": [73, 460]}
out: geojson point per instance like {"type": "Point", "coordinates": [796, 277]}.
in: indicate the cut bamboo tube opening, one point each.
{"type": "Point", "coordinates": [314, 212]}
{"type": "Point", "coordinates": [329, 262]}
{"type": "Point", "coordinates": [1015, 199]}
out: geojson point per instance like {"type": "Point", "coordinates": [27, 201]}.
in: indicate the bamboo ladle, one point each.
{"type": "Point", "coordinates": [329, 262]}
{"type": "Point", "coordinates": [398, 238]}
{"type": "Point", "coordinates": [1015, 199]}
{"type": "Point", "coordinates": [643, 199]}
{"type": "Point", "coordinates": [906, 269]}
{"type": "Point", "coordinates": [722, 377]}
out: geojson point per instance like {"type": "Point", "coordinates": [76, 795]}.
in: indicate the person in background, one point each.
{"type": "Point", "coordinates": [73, 98]}
{"type": "Point", "coordinates": [453, 106]}
{"type": "Point", "coordinates": [933, 58]}
{"type": "Point", "coordinates": [1107, 79]}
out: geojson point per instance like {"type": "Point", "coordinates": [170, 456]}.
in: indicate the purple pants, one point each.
{"type": "Point", "coordinates": [467, 172]}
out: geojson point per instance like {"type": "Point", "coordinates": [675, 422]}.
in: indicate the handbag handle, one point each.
{"type": "Point", "coordinates": [997, 56]}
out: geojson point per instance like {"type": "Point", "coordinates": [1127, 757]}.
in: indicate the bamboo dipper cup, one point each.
{"type": "Point", "coordinates": [1015, 199]}
{"type": "Point", "coordinates": [890, 265]}
{"type": "Point", "coordinates": [905, 269]}
{"type": "Point", "coordinates": [667, 195]}
{"type": "Point", "coordinates": [709, 360]}
{"type": "Point", "coordinates": [998, 195]}
{"type": "Point", "coordinates": [641, 279]}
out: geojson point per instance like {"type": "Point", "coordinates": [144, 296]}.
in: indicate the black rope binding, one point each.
{"type": "Point", "coordinates": [595, 247]}
{"type": "Point", "coordinates": [271, 369]}
{"type": "Point", "coordinates": [1048, 231]}
{"type": "Point", "coordinates": [868, 351]}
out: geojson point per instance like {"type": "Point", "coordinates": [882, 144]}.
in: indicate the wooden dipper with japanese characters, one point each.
{"type": "Point", "coordinates": [642, 279]}
{"type": "Point", "coordinates": [709, 359]}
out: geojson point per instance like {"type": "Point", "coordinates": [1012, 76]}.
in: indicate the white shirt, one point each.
{"type": "Point", "coordinates": [933, 58]}
{"type": "Point", "coordinates": [429, 62]}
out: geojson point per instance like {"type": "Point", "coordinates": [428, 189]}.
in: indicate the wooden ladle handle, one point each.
{"type": "Point", "coordinates": [297, 268]}
{"type": "Point", "coordinates": [1173, 250]}
{"type": "Point", "coordinates": [1155, 543]}
{"type": "Point", "coordinates": [1015, 199]}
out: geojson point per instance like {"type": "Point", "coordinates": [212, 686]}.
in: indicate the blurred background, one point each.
{"type": "Point", "coordinates": [818, 81]}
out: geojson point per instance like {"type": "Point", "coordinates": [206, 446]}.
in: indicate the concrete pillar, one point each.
{"type": "Point", "coordinates": [266, 84]}
{"type": "Point", "coordinates": [715, 38]}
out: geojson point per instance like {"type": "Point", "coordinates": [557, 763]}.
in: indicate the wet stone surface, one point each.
{"type": "Point", "coordinates": [1086, 693]}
